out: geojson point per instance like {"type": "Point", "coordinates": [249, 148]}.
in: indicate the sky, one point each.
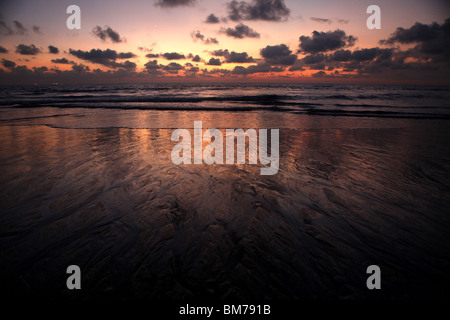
{"type": "Point", "coordinates": [229, 40]}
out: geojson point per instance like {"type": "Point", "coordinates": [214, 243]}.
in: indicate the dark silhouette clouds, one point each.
{"type": "Point", "coordinates": [212, 19]}
{"type": "Point", "coordinates": [196, 35]}
{"type": "Point", "coordinates": [268, 10]}
{"type": "Point", "coordinates": [3, 50]}
{"type": "Point", "coordinates": [278, 55]}
{"type": "Point", "coordinates": [240, 31]}
{"type": "Point", "coordinates": [173, 56]}
{"type": "Point", "coordinates": [27, 50]}
{"type": "Point", "coordinates": [432, 41]}
{"type": "Point", "coordinates": [53, 49]}
{"type": "Point", "coordinates": [107, 34]}
{"type": "Point", "coordinates": [325, 41]}
{"type": "Point", "coordinates": [106, 57]}
{"type": "Point", "coordinates": [174, 3]}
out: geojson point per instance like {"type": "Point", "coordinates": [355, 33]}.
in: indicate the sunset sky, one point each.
{"type": "Point", "coordinates": [224, 40]}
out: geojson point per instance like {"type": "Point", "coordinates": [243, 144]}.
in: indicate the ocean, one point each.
{"type": "Point", "coordinates": [87, 179]}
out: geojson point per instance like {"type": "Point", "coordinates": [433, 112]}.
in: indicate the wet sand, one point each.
{"type": "Point", "coordinates": [111, 201]}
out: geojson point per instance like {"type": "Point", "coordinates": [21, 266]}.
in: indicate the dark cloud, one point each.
{"type": "Point", "coordinates": [106, 34]}
{"type": "Point", "coordinates": [259, 68]}
{"type": "Point", "coordinates": [212, 19]}
{"type": "Point", "coordinates": [37, 29]}
{"type": "Point", "coordinates": [173, 56]}
{"type": "Point", "coordinates": [173, 68]}
{"type": "Point", "coordinates": [329, 21]}
{"type": "Point", "coordinates": [152, 66]}
{"type": "Point", "coordinates": [233, 57]}
{"type": "Point", "coordinates": [221, 53]}
{"type": "Point", "coordinates": [145, 49]}
{"type": "Point", "coordinates": [297, 68]}
{"type": "Point", "coordinates": [369, 54]}
{"type": "Point", "coordinates": [314, 58]}
{"type": "Point", "coordinates": [268, 10]}
{"type": "Point", "coordinates": [342, 21]}
{"type": "Point", "coordinates": [320, 20]}
{"type": "Point", "coordinates": [174, 3]}
{"type": "Point", "coordinates": [432, 40]}
{"type": "Point", "coordinates": [196, 58]}
{"type": "Point", "coordinates": [278, 55]}
{"type": "Point", "coordinates": [3, 50]}
{"type": "Point", "coordinates": [239, 57]}
{"type": "Point", "coordinates": [19, 27]}
{"type": "Point", "coordinates": [62, 61]}
{"type": "Point", "coordinates": [5, 30]}
{"type": "Point", "coordinates": [80, 68]}
{"type": "Point", "coordinates": [8, 63]}
{"type": "Point", "coordinates": [53, 49]}
{"type": "Point", "coordinates": [325, 41]}
{"type": "Point", "coordinates": [27, 50]}
{"type": "Point", "coordinates": [196, 35]}
{"type": "Point", "coordinates": [320, 74]}
{"type": "Point", "coordinates": [152, 55]}
{"type": "Point", "coordinates": [211, 41]}
{"type": "Point", "coordinates": [214, 62]}
{"type": "Point", "coordinates": [240, 31]}
{"type": "Point", "coordinates": [106, 57]}
{"type": "Point", "coordinates": [40, 69]}
{"type": "Point", "coordinates": [342, 55]}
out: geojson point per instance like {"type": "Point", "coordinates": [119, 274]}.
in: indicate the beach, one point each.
{"type": "Point", "coordinates": [95, 186]}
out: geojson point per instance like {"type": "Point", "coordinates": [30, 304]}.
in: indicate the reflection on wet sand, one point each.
{"type": "Point", "coordinates": [112, 202]}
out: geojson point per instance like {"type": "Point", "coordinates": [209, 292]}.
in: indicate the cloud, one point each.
{"type": "Point", "coordinates": [214, 62]}
{"type": "Point", "coordinates": [19, 27]}
{"type": "Point", "coordinates": [53, 49]}
{"type": "Point", "coordinates": [3, 50]}
{"type": "Point", "coordinates": [211, 41]}
{"type": "Point", "coordinates": [239, 57]}
{"type": "Point", "coordinates": [325, 41]}
{"type": "Point", "coordinates": [212, 19]}
{"type": "Point", "coordinates": [233, 57]}
{"type": "Point", "coordinates": [8, 63]}
{"type": "Point", "coordinates": [196, 58]}
{"type": "Point", "coordinates": [320, 74]}
{"type": "Point", "coordinates": [40, 69]}
{"type": "Point", "coordinates": [342, 55]}
{"type": "Point", "coordinates": [145, 49]}
{"type": "Point", "coordinates": [173, 68]}
{"type": "Point", "coordinates": [370, 54]}
{"type": "Point", "coordinates": [37, 29]}
{"type": "Point", "coordinates": [320, 20]}
{"type": "Point", "coordinates": [314, 58]}
{"type": "Point", "coordinates": [62, 61]}
{"type": "Point", "coordinates": [173, 56]}
{"type": "Point", "coordinates": [268, 10]}
{"type": "Point", "coordinates": [152, 55]}
{"type": "Point", "coordinates": [106, 34]}
{"type": "Point", "coordinates": [196, 35]}
{"type": "Point", "coordinates": [80, 68]}
{"type": "Point", "coordinates": [342, 21]}
{"type": "Point", "coordinates": [27, 50]}
{"type": "Point", "coordinates": [152, 65]}
{"type": "Point", "coordinates": [106, 57]}
{"type": "Point", "coordinates": [431, 40]}
{"type": "Point", "coordinates": [278, 55]}
{"type": "Point", "coordinates": [259, 68]}
{"type": "Point", "coordinates": [5, 30]}
{"type": "Point", "coordinates": [174, 3]}
{"type": "Point", "coordinates": [329, 21]}
{"type": "Point", "coordinates": [240, 31]}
